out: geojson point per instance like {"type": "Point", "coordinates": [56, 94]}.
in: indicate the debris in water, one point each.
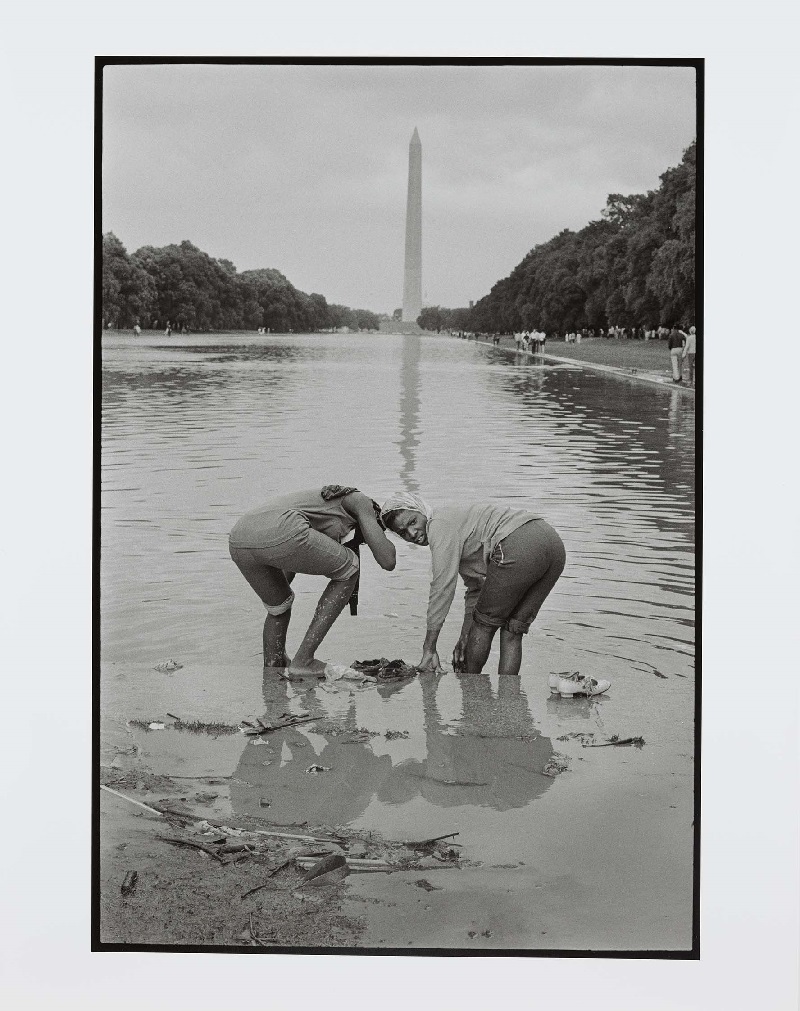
{"type": "Point", "coordinates": [316, 769]}
{"type": "Point", "coordinates": [337, 671]}
{"type": "Point", "coordinates": [176, 841]}
{"type": "Point", "coordinates": [265, 727]}
{"type": "Point", "coordinates": [556, 764]}
{"type": "Point", "coordinates": [256, 741]}
{"type": "Point", "coordinates": [193, 726]}
{"type": "Point", "coordinates": [324, 866]}
{"type": "Point", "coordinates": [393, 735]}
{"type": "Point", "coordinates": [167, 666]}
{"type": "Point", "coordinates": [424, 844]}
{"type": "Point", "coordinates": [615, 741]}
{"type": "Point", "coordinates": [129, 884]}
{"type": "Point", "coordinates": [424, 883]}
{"type": "Point", "coordinates": [382, 669]}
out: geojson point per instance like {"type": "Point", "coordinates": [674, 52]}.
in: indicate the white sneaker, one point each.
{"type": "Point", "coordinates": [554, 679]}
{"type": "Point", "coordinates": [579, 684]}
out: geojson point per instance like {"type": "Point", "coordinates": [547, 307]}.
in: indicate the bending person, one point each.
{"type": "Point", "coordinates": [302, 532]}
{"type": "Point", "coordinates": [509, 560]}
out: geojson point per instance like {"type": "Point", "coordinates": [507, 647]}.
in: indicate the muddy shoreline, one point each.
{"type": "Point", "coordinates": [562, 882]}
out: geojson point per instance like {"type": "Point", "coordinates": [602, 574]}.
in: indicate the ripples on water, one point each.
{"type": "Point", "coordinates": [196, 433]}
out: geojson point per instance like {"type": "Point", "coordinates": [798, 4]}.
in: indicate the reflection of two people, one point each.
{"type": "Point", "coordinates": [334, 797]}
{"type": "Point", "coordinates": [493, 758]}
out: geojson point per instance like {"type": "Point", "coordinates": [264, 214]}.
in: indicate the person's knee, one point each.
{"type": "Point", "coordinates": [276, 610]}
{"type": "Point", "coordinates": [346, 571]}
{"type": "Point", "coordinates": [515, 628]}
{"type": "Point", "coordinates": [486, 621]}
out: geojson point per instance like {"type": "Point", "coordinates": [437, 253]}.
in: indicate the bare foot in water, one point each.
{"type": "Point", "coordinates": [307, 668]}
{"type": "Point", "coordinates": [282, 661]}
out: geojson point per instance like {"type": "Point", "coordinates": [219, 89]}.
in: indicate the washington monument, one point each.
{"type": "Point", "coordinates": [412, 282]}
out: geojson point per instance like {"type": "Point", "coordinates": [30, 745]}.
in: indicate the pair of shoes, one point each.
{"type": "Point", "coordinates": [579, 684]}
{"type": "Point", "coordinates": [554, 679]}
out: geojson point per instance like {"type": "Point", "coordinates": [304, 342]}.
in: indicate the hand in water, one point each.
{"type": "Point", "coordinates": [430, 661]}
{"type": "Point", "coordinates": [460, 655]}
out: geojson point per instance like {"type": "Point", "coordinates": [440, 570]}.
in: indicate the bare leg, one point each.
{"type": "Point", "coordinates": [275, 629]}
{"type": "Point", "coordinates": [330, 606]}
{"type": "Point", "coordinates": [510, 652]}
{"type": "Point", "coordinates": [479, 642]}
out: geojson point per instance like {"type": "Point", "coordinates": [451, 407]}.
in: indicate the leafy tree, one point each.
{"type": "Point", "coordinates": [127, 291]}
{"type": "Point", "coordinates": [633, 267]}
{"type": "Point", "coordinates": [432, 318]}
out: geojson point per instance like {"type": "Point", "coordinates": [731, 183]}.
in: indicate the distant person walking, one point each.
{"type": "Point", "coordinates": [137, 329]}
{"type": "Point", "coordinates": [689, 353]}
{"type": "Point", "coordinates": [675, 343]}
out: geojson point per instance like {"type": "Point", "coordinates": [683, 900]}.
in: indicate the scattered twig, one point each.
{"type": "Point", "coordinates": [429, 842]}
{"type": "Point", "coordinates": [172, 716]}
{"type": "Point", "coordinates": [129, 884]}
{"type": "Point", "coordinates": [132, 800]}
{"type": "Point", "coordinates": [176, 841]}
{"type": "Point", "coordinates": [266, 728]}
{"type": "Point", "coordinates": [638, 741]}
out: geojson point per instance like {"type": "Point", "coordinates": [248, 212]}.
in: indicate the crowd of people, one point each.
{"type": "Point", "coordinates": [682, 344]}
{"type": "Point", "coordinates": [530, 340]}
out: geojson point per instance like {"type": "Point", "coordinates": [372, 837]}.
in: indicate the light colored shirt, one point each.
{"type": "Point", "coordinates": [690, 348]}
{"type": "Point", "coordinates": [461, 539]}
{"type": "Point", "coordinates": [263, 527]}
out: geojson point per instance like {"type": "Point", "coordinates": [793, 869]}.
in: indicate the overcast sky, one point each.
{"type": "Point", "coordinates": [305, 168]}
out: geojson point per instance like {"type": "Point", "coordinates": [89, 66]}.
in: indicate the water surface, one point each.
{"type": "Point", "coordinates": [198, 430]}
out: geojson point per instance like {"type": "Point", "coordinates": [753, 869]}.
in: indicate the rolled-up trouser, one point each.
{"type": "Point", "coordinates": [270, 568]}
{"type": "Point", "coordinates": [676, 354]}
{"type": "Point", "coordinates": [522, 570]}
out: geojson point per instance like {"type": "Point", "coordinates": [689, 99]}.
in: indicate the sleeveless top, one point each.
{"type": "Point", "coordinates": [277, 520]}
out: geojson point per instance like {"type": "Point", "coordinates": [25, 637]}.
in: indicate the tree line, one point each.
{"type": "Point", "coordinates": [633, 268]}
{"type": "Point", "coordinates": [184, 287]}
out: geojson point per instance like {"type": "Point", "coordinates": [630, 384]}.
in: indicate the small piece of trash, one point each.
{"type": "Point", "coordinates": [424, 883]}
{"type": "Point", "coordinates": [156, 726]}
{"type": "Point", "coordinates": [266, 763]}
{"type": "Point", "coordinates": [336, 671]}
{"type": "Point", "coordinates": [315, 769]}
{"type": "Point", "coordinates": [391, 614]}
{"type": "Point", "coordinates": [263, 803]}
{"type": "Point", "coordinates": [129, 884]}
{"type": "Point", "coordinates": [168, 666]}
{"type": "Point", "coordinates": [257, 741]}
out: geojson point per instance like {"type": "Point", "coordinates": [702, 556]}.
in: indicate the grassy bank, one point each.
{"type": "Point", "coordinates": [647, 356]}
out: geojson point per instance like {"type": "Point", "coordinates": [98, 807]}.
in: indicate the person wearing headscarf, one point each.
{"type": "Point", "coordinates": [509, 560]}
{"type": "Point", "coordinates": [303, 531]}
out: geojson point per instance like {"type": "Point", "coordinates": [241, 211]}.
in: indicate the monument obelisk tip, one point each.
{"type": "Point", "coordinates": [412, 281]}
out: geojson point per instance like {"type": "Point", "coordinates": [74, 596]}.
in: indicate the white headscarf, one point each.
{"type": "Point", "coordinates": [406, 500]}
